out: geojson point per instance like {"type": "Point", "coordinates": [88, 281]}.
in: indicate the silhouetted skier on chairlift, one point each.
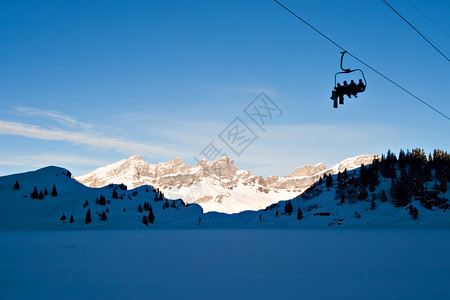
{"type": "Point", "coordinates": [360, 87]}
{"type": "Point", "coordinates": [352, 86]}
{"type": "Point", "coordinates": [336, 94]}
{"type": "Point", "coordinates": [346, 89]}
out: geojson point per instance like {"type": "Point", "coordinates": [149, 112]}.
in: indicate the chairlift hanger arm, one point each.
{"type": "Point", "coordinates": [342, 60]}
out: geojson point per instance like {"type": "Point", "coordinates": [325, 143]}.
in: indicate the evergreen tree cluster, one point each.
{"type": "Point", "coordinates": [159, 196]}
{"type": "Point", "coordinates": [150, 217]}
{"type": "Point", "coordinates": [101, 200]}
{"type": "Point", "coordinates": [288, 208]}
{"type": "Point", "coordinates": [40, 195]}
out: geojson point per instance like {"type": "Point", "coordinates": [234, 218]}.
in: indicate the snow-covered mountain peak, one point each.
{"type": "Point", "coordinates": [216, 185]}
{"type": "Point", "coordinates": [354, 162]}
{"type": "Point", "coordinates": [307, 170]}
{"type": "Point", "coordinates": [222, 167]}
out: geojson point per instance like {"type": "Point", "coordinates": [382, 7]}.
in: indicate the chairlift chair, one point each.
{"type": "Point", "coordinates": [346, 71]}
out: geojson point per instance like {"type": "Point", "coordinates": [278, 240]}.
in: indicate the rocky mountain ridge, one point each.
{"type": "Point", "coordinates": [216, 185]}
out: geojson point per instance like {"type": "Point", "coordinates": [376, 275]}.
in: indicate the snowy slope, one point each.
{"type": "Point", "coordinates": [215, 185]}
{"type": "Point", "coordinates": [21, 212]}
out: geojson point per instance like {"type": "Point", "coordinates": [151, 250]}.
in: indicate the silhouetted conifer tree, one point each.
{"type": "Point", "coordinates": [41, 195]}
{"type": "Point", "coordinates": [140, 208]}
{"type": "Point", "coordinates": [372, 203]}
{"type": "Point", "coordinates": [102, 200]}
{"type": "Point", "coordinates": [414, 212]}
{"type": "Point", "coordinates": [299, 214]}
{"type": "Point", "coordinates": [63, 217]}
{"type": "Point", "coordinates": [362, 195]}
{"type": "Point", "coordinates": [151, 216]}
{"type": "Point", "coordinates": [329, 181]}
{"type": "Point", "coordinates": [383, 196]}
{"type": "Point", "coordinates": [88, 218]}
{"type": "Point", "coordinates": [54, 192]}
{"type": "Point", "coordinates": [103, 216]}
{"type": "Point", "coordinates": [71, 218]}
{"type": "Point", "coordinates": [345, 174]}
{"type": "Point", "coordinates": [288, 208]}
{"type": "Point", "coordinates": [145, 220]}
{"type": "Point", "coordinates": [34, 194]}
{"type": "Point", "coordinates": [114, 194]}
{"type": "Point", "coordinates": [45, 192]}
{"type": "Point", "coordinates": [16, 185]}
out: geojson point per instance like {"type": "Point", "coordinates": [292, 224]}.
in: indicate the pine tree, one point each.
{"type": "Point", "coordinates": [362, 195]}
{"type": "Point", "coordinates": [140, 208]}
{"type": "Point", "coordinates": [41, 195]}
{"type": "Point", "coordinates": [345, 174]}
{"type": "Point", "coordinates": [299, 214]}
{"type": "Point", "coordinates": [114, 194]}
{"type": "Point", "coordinates": [372, 203]}
{"type": "Point", "coordinates": [277, 213]}
{"type": "Point", "coordinates": [172, 204]}
{"type": "Point", "coordinates": [383, 196]}
{"type": "Point", "coordinates": [329, 181]}
{"type": "Point", "coordinates": [288, 208]}
{"type": "Point", "coordinates": [34, 194]}
{"type": "Point", "coordinates": [45, 192]}
{"type": "Point", "coordinates": [145, 220]}
{"type": "Point", "coordinates": [103, 216]}
{"type": "Point", "coordinates": [54, 192]}
{"type": "Point", "coordinates": [342, 198]}
{"type": "Point", "coordinates": [151, 216]}
{"type": "Point", "coordinates": [88, 218]}
{"type": "Point", "coordinates": [71, 218]}
{"type": "Point", "coordinates": [63, 217]}
{"type": "Point", "coordinates": [414, 212]}
{"type": "Point", "coordinates": [166, 204]}
{"type": "Point", "coordinates": [16, 185]}
{"type": "Point", "coordinates": [102, 200]}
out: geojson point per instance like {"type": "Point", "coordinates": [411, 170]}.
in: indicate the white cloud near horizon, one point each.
{"type": "Point", "coordinates": [83, 137]}
{"type": "Point", "coordinates": [45, 159]}
{"type": "Point", "coordinates": [54, 115]}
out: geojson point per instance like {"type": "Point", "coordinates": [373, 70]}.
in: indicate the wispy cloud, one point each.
{"type": "Point", "coordinates": [54, 115]}
{"type": "Point", "coordinates": [83, 137]}
{"type": "Point", "coordinates": [45, 159]}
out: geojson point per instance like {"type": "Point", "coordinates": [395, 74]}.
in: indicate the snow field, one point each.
{"type": "Point", "coordinates": [226, 264]}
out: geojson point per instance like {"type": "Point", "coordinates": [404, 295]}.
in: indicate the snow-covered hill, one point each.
{"type": "Point", "coordinates": [215, 185]}
{"type": "Point", "coordinates": [19, 211]}
{"type": "Point", "coordinates": [332, 202]}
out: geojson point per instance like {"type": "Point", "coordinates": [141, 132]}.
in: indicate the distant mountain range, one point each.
{"type": "Point", "coordinates": [215, 185]}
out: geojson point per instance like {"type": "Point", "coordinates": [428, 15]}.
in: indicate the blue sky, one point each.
{"type": "Point", "coordinates": [87, 83]}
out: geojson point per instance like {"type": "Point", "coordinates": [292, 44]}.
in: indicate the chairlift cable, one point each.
{"type": "Point", "coordinates": [415, 29]}
{"type": "Point", "coordinates": [429, 19]}
{"type": "Point", "coordinates": [368, 66]}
